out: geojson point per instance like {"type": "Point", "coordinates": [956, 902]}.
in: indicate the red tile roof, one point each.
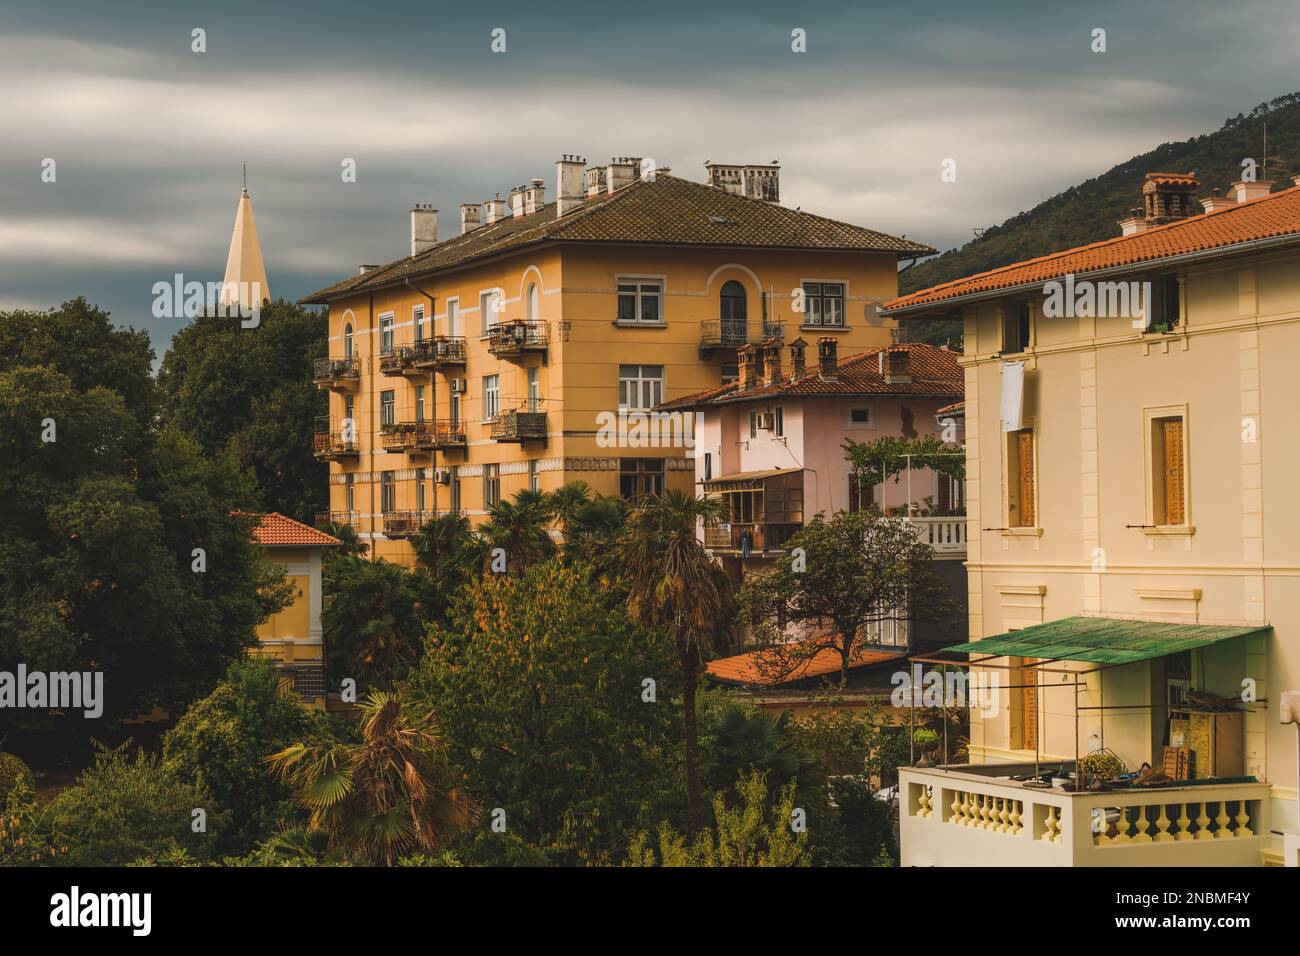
{"type": "Point", "coordinates": [669, 210]}
{"type": "Point", "coordinates": [1276, 216]}
{"type": "Point", "coordinates": [744, 668]}
{"type": "Point", "coordinates": [934, 373]}
{"type": "Point", "coordinates": [274, 530]}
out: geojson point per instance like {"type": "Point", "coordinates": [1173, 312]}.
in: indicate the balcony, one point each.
{"type": "Point", "coordinates": [946, 535]}
{"type": "Point", "coordinates": [519, 425]}
{"type": "Point", "coordinates": [750, 537]}
{"type": "Point", "coordinates": [978, 816]}
{"type": "Point", "coordinates": [441, 351]}
{"type": "Point", "coordinates": [449, 436]}
{"type": "Point", "coordinates": [350, 518]}
{"type": "Point", "coordinates": [397, 359]}
{"type": "Point", "coordinates": [331, 444]}
{"type": "Point", "coordinates": [736, 333]}
{"type": "Point", "coordinates": [403, 524]}
{"type": "Point", "coordinates": [343, 374]}
{"type": "Point", "coordinates": [515, 339]}
{"type": "Point", "coordinates": [411, 437]}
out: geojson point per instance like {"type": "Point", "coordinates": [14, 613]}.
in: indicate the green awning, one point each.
{"type": "Point", "coordinates": [1100, 640]}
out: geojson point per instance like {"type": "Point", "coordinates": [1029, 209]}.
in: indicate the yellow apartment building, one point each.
{"type": "Point", "coordinates": [292, 636]}
{"type": "Point", "coordinates": [1133, 542]}
{"type": "Point", "coordinates": [495, 360]}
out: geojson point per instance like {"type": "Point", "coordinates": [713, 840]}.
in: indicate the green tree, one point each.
{"type": "Point", "coordinates": [565, 501]}
{"type": "Point", "coordinates": [250, 391]}
{"type": "Point", "coordinates": [450, 556]}
{"type": "Point", "coordinates": [221, 743]}
{"type": "Point", "coordinates": [540, 682]}
{"type": "Point", "coordinates": [675, 586]}
{"type": "Point", "coordinates": [853, 576]}
{"type": "Point", "coordinates": [373, 621]}
{"type": "Point", "coordinates": [518, 527]}
{"type": "Point", "coordinates": [388, 796]}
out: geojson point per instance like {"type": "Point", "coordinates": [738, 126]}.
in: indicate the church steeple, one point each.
{"type": "Point", "coordinates": [244, 266]}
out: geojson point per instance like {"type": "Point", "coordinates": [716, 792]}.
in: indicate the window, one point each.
{"type": "Point", "coordinates": [733, 309]}
{"type": "Point", "coordinates": [639, 477]}
{"type": "Point", "coordinates": [387, 492]}
{"type": "Point", "coordinates": [1169, 472]}
{"type": "Point", "coordinates": [824, 303]}
{"type": "Point", "coordinates": [861, 494]}
{"type": "Point", "coordinates": [491, 485]}
{"type": "Point", "coordinates": [489, 307]}
{"type": "Point", "coordinates": [708, 466]}
{"type": "Point", "coordinates": [455, 408]}
{"type": "Point", "coordinates": [419, 403]}
{"type": "Point", "coordinates": [753, 424]}
{"type": "Point", "coordinates": [491, 397]}
{"type": "Point", "coordinates": [453, 317]}
{"type": "Point", "coordinates": [385, 334]}
{"type": "Point", "coordinates": [1021, 496]}
{"type": "Point", "coordinates": [639, 300]}
{"type": "Point", "coordinates": [350, 492]}
{"type": "Point", "coordinates": [534, 477]}
{"type": "Point", "coordinates": [952, 495]}
{"type": "Point", "coordinates": [640, 387]}
{"type": "Point", "coordinates": [417, 317]}
{"type": "Point", "coordinates": [778, 421]}
{"type": "Point", "coordinates": [387, 408]}
{"type": "Point", "coordinates": [347, 341]}
{"type": "Point", "coordinates": [349, 417]}
{"type": "Point", "coordinates": [1166, 310]}
{"type": "Point", "coordinates": [730, 372]}
{"type": "Point", "coordinates": [532, 302]}
{"type": "Point", "coordinates": [534, 389]}
{"type": "Point", "coordinates": [454, 483]}
{"type": "Point", "coordinates": [860, 417]}
{"type": "Point", "coordinates": [1016, 327]}
{"type": "Point", "coordinates": [419, 489]}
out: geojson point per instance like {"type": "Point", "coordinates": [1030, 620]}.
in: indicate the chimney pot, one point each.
{"type": "Point", "coordinates": [828, 365]}
{"type": "Point", "coordinates": [896, 365]}
{"type": "Point", "coordinates": [622, 171]}
{"type": "Point", "coordinates": [469, 217]}
{"type": "Point", "coordinates": [751, 181]}
{"type": "Point", "coordinates": [495, 209]}
{"type": "Point", "coordinates": [424, 228]}
{"type": "Point", "coordinates": [1245, 191]}
{"type": "Point", "coordinates": [751, 366]}
{"type": "Point", "coordinates": [517, 202]}
{"type": "Point", "coordinates": [568, 184]}
{"type": "Point", "coordinates": [1168, 197]}
{"type": "Point", "coordinates": [772, 361]}
{"type": "Point", "coordinates": [797, 357]}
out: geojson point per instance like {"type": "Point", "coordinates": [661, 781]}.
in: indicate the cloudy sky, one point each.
{"type": "Point", "coordinates": [148, 136]}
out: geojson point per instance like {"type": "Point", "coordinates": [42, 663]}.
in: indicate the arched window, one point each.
{"type": "Point", "coordinates": [532, 302]}
{"type": "Point", "coordinates": [347, 341]}
{"type": "Point", "coordinates": [733, 312]}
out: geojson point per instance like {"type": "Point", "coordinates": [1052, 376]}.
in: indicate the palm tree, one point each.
{"type": "Point", "coordinates": [447, 550]}
{"type": "Point", "coordinates": [373, 619]}
{"type": "Point", "coordinates": [383, 798]}
{"type": "Point", "coordinates": [518, 527]}
{"type": "Point", "coordinates": [564, 502]}
{"type": "Point", "coordinates": [675, 585]}
{"type": "Point", "coordinates": [593, 530]}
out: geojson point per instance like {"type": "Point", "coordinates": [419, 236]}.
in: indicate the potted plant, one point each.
{"type": "Point", "coordinates": [926, 740]}
{"type": "Point", "coordinates": [1102, 766]}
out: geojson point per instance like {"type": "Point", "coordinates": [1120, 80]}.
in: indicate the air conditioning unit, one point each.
{"type": "Point", "coordinates": [764, 420]}
{"type": "Point", "coordinates": [457, 386]}
{"type": "Point", "coordinates": [442, 476]}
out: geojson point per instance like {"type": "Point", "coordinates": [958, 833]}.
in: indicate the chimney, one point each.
{"type": "Point", "coordinates": [595, 181]}
{"type": "Point", "coordinates": [1244, 191]}
{"type": "Point", "coordinates": [1168, 197]}
{"type": "Point", "coordinates": [750, 181]}
{"type": "Point", "coordinates": [750, 366]}
{"type": "Point", "coordinates": [424, 228]}
{"type": "Point", "coordinates": [362, 270]}
{"type": "Point", "coordinates": [568, 184]}
{"type": "Point", "coordinates": [469, 220]}
{"type": "Point", "coordinates": [896, 364]}
{"type": "Point", "coordinates": [517, 201]}
{"type": "Point", "coordinates": [1215, 202]}
{"type": "Point", "coordinates": [622, 171]}
{"type": "Point", "coordinates": [797, 358]}
{"type": "Point", "coordinates": [1134, 223]}
{"type": "Point", "coordinates": [828, 365]}
{"type": "Point", "coordinates": [772, 362]}
{"type": "Point", "coordinates": [496, 210]}
{"type": "Point", "coordinates": [534, 196]}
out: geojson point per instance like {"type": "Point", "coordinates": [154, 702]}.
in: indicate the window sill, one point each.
{"type": "Point", "coordinates": [639, 325]}
{"type": "Point", "coordinates": [1170, 531]}
{"type": "Point", "coordinates": [1022, 532]}
{"type": "Point", "coordinates": [823, 328]}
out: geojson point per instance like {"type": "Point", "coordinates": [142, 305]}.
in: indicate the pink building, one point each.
{"type": "Point", "coordinates": [771, 443]}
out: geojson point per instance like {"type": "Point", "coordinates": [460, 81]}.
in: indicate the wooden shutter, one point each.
{"type": "Point", "coordinates": [1025, 454]}
{"type": "Point", "coordinates": [1029, 706]}
{"type": "Point", "coordinates": [1172, 438]}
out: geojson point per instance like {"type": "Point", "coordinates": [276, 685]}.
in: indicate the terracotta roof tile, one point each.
{"type": "Point", "coordinates": [744, 668]}
{"type": "Point", "coordinates": [669, 210]}
{"type": "Point", "coordinates": [1268, 217]}
{"type": "Point", "coordinates": [275, 530]}
{"type": "Point", "coordinates": [934, 373]}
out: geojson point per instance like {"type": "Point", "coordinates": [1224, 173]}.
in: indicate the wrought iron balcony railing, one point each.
{"type": "Point", "coordinates": [441, 351]}
{"type": "Point", "coordinates": [403, 524]}
{"type": "Point", "coordinates": [520, 425]}
{"type": "Point", "coordinates": [737, 333]}
{"type": "Point", "coordinates": [517, 337]}
{"type": "Point", "coordinates": [336, 371]}
{"type": "Point", "coordinates": [748, 537]}
{"type": "Point", "coordinates": [350, 518]}
{"type": "Point", "coordinates": [329, 443]}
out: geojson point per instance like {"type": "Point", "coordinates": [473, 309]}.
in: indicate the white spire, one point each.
{"type": "Point", "coordinates": [244, 266]}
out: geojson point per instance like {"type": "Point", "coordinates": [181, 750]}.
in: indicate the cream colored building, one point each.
{"type": "Point", "coordinates": [488, 362]}
{"type": "Point", "coordinates": [1132, 518]}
